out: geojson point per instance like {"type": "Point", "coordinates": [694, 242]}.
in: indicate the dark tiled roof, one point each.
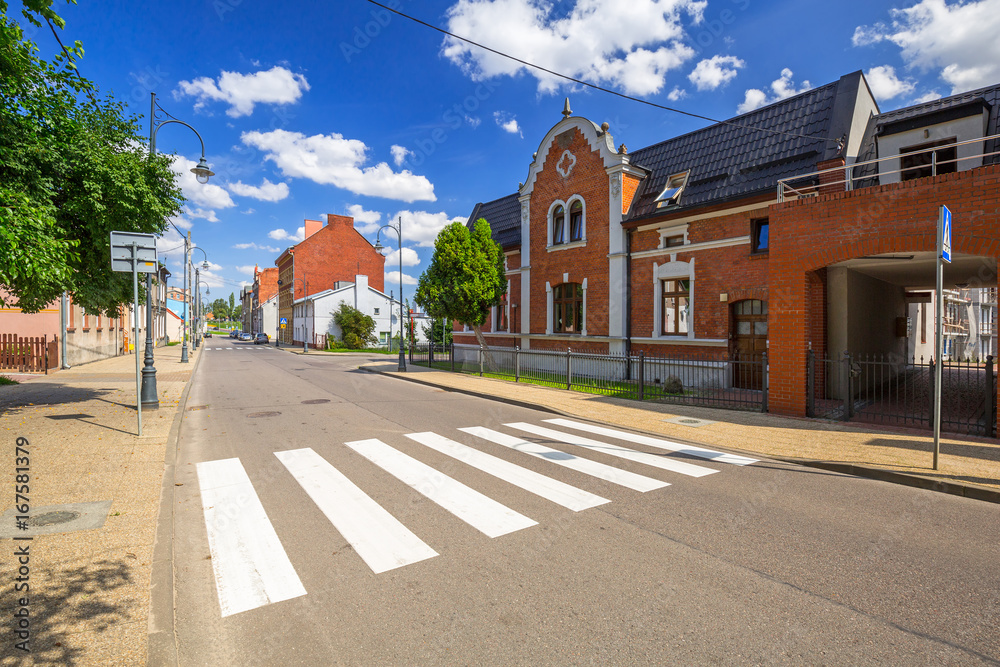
{"type": "Point", "coordinates": [727, 162]}
{"type": "Point", "coordinates": [504, 216]}
{"type": "Point", "coordinates": [933, 111]}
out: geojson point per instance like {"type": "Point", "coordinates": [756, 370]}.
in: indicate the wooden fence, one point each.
{"type": "Point", "coordinates": [25, 355]}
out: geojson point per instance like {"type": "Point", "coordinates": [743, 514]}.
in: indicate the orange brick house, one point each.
{"type": "Point", "coordinates": [806, 224]}
{"type": "Point", "coordinates": [329, 254]}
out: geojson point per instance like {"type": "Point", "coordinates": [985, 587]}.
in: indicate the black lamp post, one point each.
{"type": "Point", "coordinates": [398, 227]}
{"type": "Point", "coordinates": [202, 173]}
{"type": "Point", "coordinates": [196, 298]}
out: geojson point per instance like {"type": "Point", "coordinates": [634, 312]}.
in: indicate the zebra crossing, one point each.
{"type": "Point", "coordinates": [252, 569]}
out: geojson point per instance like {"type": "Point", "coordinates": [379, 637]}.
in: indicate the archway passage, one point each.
{"type": "Point", "coordinates": [749, 342]}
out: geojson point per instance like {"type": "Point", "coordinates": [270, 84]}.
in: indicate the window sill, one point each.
{"type": "Point", "coordinates": [566, 246]}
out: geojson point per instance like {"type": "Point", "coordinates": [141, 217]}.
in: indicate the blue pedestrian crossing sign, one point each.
{"type": "Point", "coordinates": [945, 226]}
{"type": "Point", "coordinates": [284, 320]}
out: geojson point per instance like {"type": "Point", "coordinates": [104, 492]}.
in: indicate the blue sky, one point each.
{"type": "Point", "coordinates": [311, 108]}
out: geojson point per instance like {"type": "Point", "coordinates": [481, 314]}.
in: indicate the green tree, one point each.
{"type": "Point", "coordinates": [72, 169]}
{"type": "Point", "coordinates": [220, 310]}
{"type": "Point", "coordinates": [357, 330]}
{"type": "Point", "coordinates": [232, 306]}
{"type": "Point", "coordinates": [438, 331]}
{"type": "Point", "coordinates": [465, 277]}
{"type": "Point", "coordinates": [238, 311]}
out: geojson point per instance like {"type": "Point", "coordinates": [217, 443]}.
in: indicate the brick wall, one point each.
{"type": "Point", "coordinates": [588, 179]}
{"type": "Point", "coordinates": [334, 253]}
{"type": "Point", "coordinates": [810, 234]}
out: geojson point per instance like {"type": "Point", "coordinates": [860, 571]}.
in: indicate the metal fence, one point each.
{"type": "Point", "coordinates": [686, 380]}
{"type": "Point", "coordinates": [889, 389]}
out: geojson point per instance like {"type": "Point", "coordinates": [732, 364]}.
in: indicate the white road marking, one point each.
{"type": "Point", "coordinates": [479, 511]}
{"type": "Point", "coordinates": [529, 480]}
{"type": "Point", "coordinates": [691, 450]}
{"type": "Point", "coordinates": [229, 348]}
{"type": "Point", "coordinates": [586, 466]}
{"type": "Point", "coordinates": [381, 541]}
{"type": "Point", "coordinates": [657, 461]}
{"type": "Point", "coordinates": [251, 567]}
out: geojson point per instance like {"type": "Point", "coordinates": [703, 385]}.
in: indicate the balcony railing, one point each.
{"type": "Point", "coordinates": [818, 182]}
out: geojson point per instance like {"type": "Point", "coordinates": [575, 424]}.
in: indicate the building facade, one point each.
{"type": "Point", "coordinates": [330, 253]}
{"type": "Point", "coordinates": [806, 225]}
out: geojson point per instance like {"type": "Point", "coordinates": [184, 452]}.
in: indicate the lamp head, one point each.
{"type": "Point", "coordinates": [379, 248]}
{"type": "Point", "coordinates": [204, 265]}
{"type": "Point", "coordinates": [202, 172]}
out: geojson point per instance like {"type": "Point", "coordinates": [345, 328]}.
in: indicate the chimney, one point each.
{"type": "Point", "coordinates": [339, 220]}
{"type": "Point", "coordinates": [313, 226]}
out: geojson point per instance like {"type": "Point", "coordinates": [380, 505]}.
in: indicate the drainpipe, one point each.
{"type": "Point", "coordinates": [63, 310]}
{"type": "Point", "coordinates": [628, 296]}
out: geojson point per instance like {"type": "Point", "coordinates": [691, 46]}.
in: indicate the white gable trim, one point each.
{"type": "Point", "coordinates": [598, 140]}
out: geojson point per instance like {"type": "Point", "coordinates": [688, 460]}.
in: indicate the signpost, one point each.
{"type": "Point", "coordinates": [135, 254]}
{"type": "Point", "coordinates": [943, 255]}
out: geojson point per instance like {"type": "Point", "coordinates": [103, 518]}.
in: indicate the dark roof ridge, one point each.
{"type": "Point", "coordinates": [730, 121]}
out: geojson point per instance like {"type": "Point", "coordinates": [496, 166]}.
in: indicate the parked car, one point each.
{"type": "Point", "coordinates": [246, 335]}
{"type": "Point", "coordinates": [261, 337]}
{"type": "Point", "coordinates": [235, 333]}
{"type": "Point", "coordinates": [208, 334]}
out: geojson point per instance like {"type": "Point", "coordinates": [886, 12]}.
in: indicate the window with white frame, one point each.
{"type": "Point", "coordinates": [576, 220]}
{"type": "Point", "coordinates": [567, 303]}
{"type": "Point", "coordinates": [676, 308]}
{"type": "Point", "coordinates": [672, 191]}
{"type": "Point", "coordinates": [559, 225]}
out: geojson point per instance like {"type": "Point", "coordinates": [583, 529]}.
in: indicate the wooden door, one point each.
{"type": "Point", "coordinates": [749, 342]}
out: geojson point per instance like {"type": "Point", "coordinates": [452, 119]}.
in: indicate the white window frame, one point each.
{"type": "Point", "coordinates": [676, 230]}
{"type": "Point", "coordinates": [672, 270]}
{"type": "Point", "coordinates": [550, 222]}
{"type": "Point", "coordinates": [550, 310]}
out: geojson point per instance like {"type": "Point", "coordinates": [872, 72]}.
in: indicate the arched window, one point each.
{"type": "Point", "coordinates": [576, 221]}
{"type": "Point", "coordinates": [567, 302]}
{"type": "Point", "coordinates": [559, 225]}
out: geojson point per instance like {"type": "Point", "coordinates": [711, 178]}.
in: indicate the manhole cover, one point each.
{"type": "Point", "coordinates": [316, 401]}
{"type": "Point", "coordinates": [197, 407]}
{"type": "Point", "coordinates": [53, 518]}
{"type": "Point", "coordinates": [263, 414]}
{"type": "Point", "coordinates": [688, 421]}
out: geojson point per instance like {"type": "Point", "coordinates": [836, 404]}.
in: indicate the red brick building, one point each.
{"type": "Point", "coordinates": [806, 224]}
{"type": "Point", "coordinates": [329, 254]}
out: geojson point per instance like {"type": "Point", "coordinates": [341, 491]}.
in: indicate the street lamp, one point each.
{"type": "Point", "coordinates": [196, 299]}
{"type": "Point", "coordinates": [202, 174]}
{"type": "Point", "coordinates": [305, 348]}
{"type": "Point", "coordinates": [398, 228]}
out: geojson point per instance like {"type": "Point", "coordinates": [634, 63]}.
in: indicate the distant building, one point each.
{"type": "Point", "coordinates": [329, 254]}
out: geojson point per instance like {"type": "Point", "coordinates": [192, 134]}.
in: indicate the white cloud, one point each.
{"type": "Point", "coordinates": [676, 94]}
{"type": "Point", "coordinates": [282, 235]}
{"type": "Point", "coordinates": [366, 222]}
{"type": "Point", "coordinates": [333, 160]}
{"type": "Point", "coordinates": [632, 49]}
{"type": "Point", "coordinates": [249, 211]}
{"type": "Point", "coordinates": [392, 279]}
{"type": "Point", "coordinates": [243, 91]}
{"type": "Point", "coordinates": [203, 214]}
{"type": "Point", "coordinates": [266, 191]}
{"type": "Point", "coordinates": [171, 242]}
{"type": "Point", "coordinates": [507, 122]}
{"type": "Point", "coordinates": [255, 246]}
{"type": "Point", "coordinates": [410, 258]}
{"type": "Point", "coordinates": [928, 97]}
{"type": "Point", "coordinates": [886, 85]}
{"type": "Point", "coordinates": [181, 222]}
{"type": "Point", "coordinates": [247, 268]}
{"type": "Point", "coordinates": [421, 227]}
{"type": "Point", "coordinates": [782, 88]}
{"type": "Point", "coordinates": [207, 195]}
{"type": "Point", "coordinates": [399, 154]}
{"type": "Point", "coordinates": [959, 40]}
{"type": "Point", "coordinates": [714, 72]}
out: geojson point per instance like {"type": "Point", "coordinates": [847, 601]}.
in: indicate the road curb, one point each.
{"type": "Point", "coordinates": [971, 491]}
{"type": "Point", "coordinates": [161, 645]}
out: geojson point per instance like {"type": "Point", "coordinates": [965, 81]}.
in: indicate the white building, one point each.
{"type": "Point", "coordinates": [265, 318]}
{"type": "Point", "coordinates": [313, 316]}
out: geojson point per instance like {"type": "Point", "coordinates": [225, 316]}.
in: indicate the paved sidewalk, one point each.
{"type": "Point", "coordinates": [969, 467]}
{"type": "Point", "coordinates": [89, 590]}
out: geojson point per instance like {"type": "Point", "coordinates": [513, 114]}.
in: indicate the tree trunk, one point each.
{"type": "Point", "coordinates": [487, 355]}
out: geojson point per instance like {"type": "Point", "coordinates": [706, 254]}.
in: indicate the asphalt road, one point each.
{"type": "Point", "coordinates": [766, 563]}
